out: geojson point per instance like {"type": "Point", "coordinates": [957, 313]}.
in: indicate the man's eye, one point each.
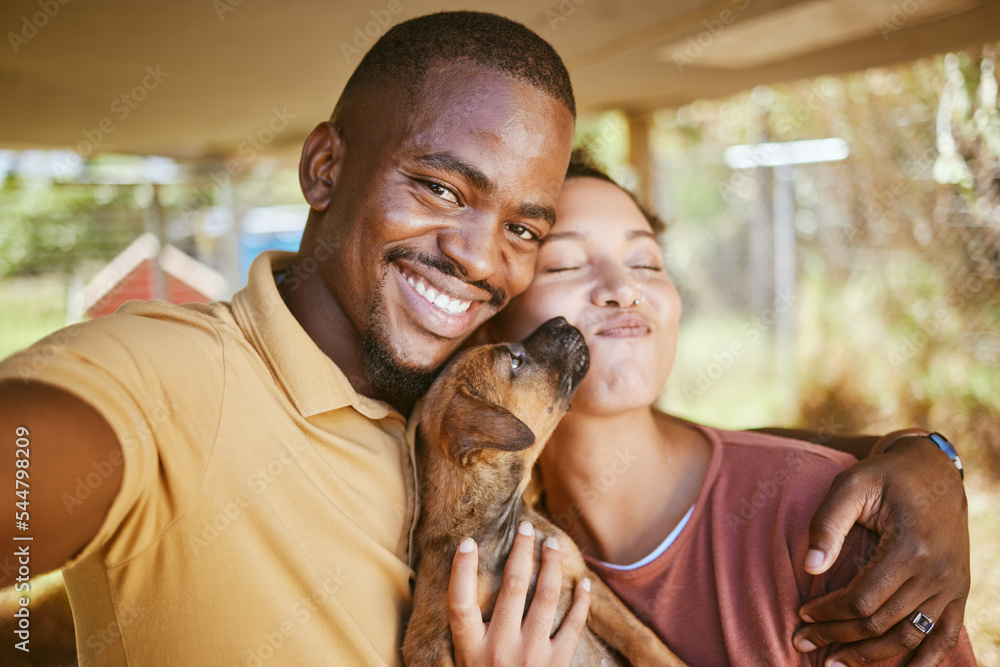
{"type": "Point", "coordinates": [442, 192]}
{"type": "Point", "coordinates": [522, 232]}
{"type": "Point", "coordinates": [560, 269]}
{"type": "Point", "coordinates": [649, 267]}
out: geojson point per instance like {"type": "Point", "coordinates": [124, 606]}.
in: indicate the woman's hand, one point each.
{"type": "Point", "coordinates": [913, 497]}
{"type": "Point", "coordinates": [507, 639]}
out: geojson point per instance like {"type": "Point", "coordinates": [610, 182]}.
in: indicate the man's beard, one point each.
{"type": "Point", "coordinates": [390, 378]}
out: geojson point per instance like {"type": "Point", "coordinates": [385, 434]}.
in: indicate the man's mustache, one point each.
{"type": "Point", "coordinates": [498, 297]}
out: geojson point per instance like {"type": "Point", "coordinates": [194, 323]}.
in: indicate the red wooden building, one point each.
{"type": "Point", "coordinates": [146, 271]}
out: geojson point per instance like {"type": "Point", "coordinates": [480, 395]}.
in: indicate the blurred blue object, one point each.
{"type": "Point", "coordinates": [270, 228]}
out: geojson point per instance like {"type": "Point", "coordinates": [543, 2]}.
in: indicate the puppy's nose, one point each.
{"type": "Point", "coordinates": [555, 324]}
{"type": "Point", "coordinates": [556, 331]}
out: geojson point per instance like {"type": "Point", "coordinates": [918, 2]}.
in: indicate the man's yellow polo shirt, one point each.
{"type": "Point", "coordinates": [266, 508]}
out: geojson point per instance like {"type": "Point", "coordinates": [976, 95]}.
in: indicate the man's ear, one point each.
{"type": "Point", "coordinates": [471, 424]}
{"type": "Point", "coordinates": [322, 158]}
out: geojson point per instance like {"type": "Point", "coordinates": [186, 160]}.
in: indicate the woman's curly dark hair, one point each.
{"type": "Point", "coordinates": [582, 164]}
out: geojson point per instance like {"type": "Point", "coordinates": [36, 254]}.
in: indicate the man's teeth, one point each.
{"type": "Point", "coordinates": [446, 303]}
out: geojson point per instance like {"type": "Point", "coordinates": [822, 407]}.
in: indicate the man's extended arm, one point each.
{"type": "Point", "coordinates": [912, 495]}
{"type": "Point", "coordinates": [65, 437]}
{"type": "Point", "coordinates": [858, 446]}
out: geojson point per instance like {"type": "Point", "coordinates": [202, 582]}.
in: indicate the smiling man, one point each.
{"type": "Point", "coordinates": [264, 515]}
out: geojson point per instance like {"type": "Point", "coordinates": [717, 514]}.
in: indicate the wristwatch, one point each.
{"type": "Point", "coordinates": [946, 447]}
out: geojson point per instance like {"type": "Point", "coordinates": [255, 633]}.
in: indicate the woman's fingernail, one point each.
{"type": "Point", "coordinates": [466, 545]}
{"type": "Point", "coordinates": [835, 663]}
{"type": "Point", "coordinates": [807, 618]}
{"type": "Point", "coordinates": [586, 584]}
{"type": "Point", "coordinates": [552, 543]}
{"type": "Point", "coordinates": [804, 645]}
{"type": "Point", "coordinates": [814, 558]}
{"type": "Point", "coordinates": [525, 528]}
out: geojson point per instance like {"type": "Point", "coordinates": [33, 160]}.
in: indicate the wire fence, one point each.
{"type": "Point", "coordinates": [894, 301]}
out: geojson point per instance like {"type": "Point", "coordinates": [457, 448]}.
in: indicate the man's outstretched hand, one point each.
{"type": "Point", "coordinates": [512, 637]}
{"type": "Point", "coordinates": [913, 497]}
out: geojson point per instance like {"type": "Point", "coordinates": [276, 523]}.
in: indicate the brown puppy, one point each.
{"type": "Point", "coordinates": [485, 421]}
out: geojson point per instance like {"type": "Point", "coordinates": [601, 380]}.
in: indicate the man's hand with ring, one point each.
{"type": "Point", "coordinates": [913, 497]}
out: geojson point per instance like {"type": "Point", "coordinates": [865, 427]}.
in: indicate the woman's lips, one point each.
{"type": "Point", "coordinates": [625, 325]}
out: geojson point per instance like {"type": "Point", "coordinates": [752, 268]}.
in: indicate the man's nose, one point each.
{"type": "Point", "coordinates": [616, 287]}
{"type": "Point", "coordinates": [475, 247]}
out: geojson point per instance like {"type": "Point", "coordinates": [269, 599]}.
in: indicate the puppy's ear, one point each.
{"type": "Point", "coordinates": [471, 424]}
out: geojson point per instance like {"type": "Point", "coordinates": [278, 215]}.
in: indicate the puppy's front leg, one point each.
{"type": "Point", "coordinates": [428, 635]}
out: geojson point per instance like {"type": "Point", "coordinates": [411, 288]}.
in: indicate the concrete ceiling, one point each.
{"type": "Point", "coordinates": [198, 78]}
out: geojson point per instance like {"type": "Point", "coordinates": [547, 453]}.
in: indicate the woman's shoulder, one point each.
{"type": "Point", "coordinates": [752, 450]}
{"type": "Point", "coordinates": [756, 477]}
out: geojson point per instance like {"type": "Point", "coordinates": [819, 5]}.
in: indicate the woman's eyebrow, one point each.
{"type": "Point", "coordinates": [640, 233]}
{"type": "Point", "coordinates": [562, 236]}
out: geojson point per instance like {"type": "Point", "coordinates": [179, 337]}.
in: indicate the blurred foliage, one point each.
{"type": "Point", "coordinates": [58, 225]}
{"type": "Point", "coordinates": [898, 254]}
{"type": "Point", "coordinates": [47, 227]}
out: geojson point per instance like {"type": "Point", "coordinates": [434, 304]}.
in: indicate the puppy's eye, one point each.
{"type": "Point", "coordinates": [515, 360]}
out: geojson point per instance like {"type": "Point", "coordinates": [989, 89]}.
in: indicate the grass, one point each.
{"type": "Point", "coordinates": [31, 307]}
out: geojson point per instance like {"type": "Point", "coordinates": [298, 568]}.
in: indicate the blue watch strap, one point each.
{"type": "Point", "coordinates": [947, 448]}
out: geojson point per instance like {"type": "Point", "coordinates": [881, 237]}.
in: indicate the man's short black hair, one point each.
{"type": "Point", "coordinates": [582, 164]}
{"type": "Point", "coordinates": [404, 53]}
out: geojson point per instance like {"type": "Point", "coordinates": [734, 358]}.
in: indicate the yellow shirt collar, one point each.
{"type": "Point", "coordinates": [310, 379]}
